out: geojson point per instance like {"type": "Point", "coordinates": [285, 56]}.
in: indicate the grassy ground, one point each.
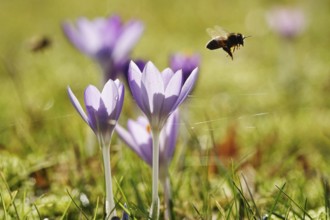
{"type": "Point", "coordinates": [255, 136]}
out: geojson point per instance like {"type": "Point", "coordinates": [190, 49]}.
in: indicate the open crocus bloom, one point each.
{"type": "Point", "coordinates": [138, 137]}
{"type": "Point", "coordinates": [106, 40]}
{"type": "Point", "coordinates": [159, 94]}
{"type": "Point", "coordinates": [187, 63]}
{"type": "Point", "coordinates": [103, 109]}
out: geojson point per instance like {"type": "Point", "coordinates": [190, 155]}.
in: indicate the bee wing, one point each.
{"type": "Point", "coordinates": [217, 31]}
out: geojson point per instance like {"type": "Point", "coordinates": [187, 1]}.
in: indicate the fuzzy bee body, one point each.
{"type": "Point", "coordinates": [227, 41]}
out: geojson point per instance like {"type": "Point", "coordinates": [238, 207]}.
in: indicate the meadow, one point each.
{"type": "Point", "coordinates": [254, 135]}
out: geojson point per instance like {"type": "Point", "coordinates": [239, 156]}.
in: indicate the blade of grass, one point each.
{"type": "Point", "coordinates": [78, 207]}
{"type": "Point", "coordinates": [35, 206]}
{"type": "Point", "coordinates": [12, 198]}
{"type": "Point", "coordinates": [3, 205]}
{"type": "Point", "coordinates": [221, 211]}
{"type": "Point", "coordinates": [66, 210]}
{"type": "Point", "coordinates": [198, 213]}
{"type": "Point", "coordinates": [254, 204]}
{"type": "Point", "coordinates": [305, 206]}
{"type": "Point", "coordinates": [326, 191]}
{"type": "Point", "coordinates": [96, 208]}
{"type": "Point", "coordinates": [276, 201]}
{"type": "Point", "coordinates": [245, 200]}
{"type": "Point", "coordinates": [302, 209]}
{"type": "Point", "coordinates": [230, 210]}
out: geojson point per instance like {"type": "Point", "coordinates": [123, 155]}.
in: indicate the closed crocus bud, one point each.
{"type": "Point", "coordinates": [157, 93]}
{"type": "Point", "coordinates": [103, 110]}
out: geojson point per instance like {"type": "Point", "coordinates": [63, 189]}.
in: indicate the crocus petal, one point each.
{"type": "Point", "coordinates": [172, 93]}
{"type": "Point", "coordinates": [121, 94]}
{"type": "Point", "coordinates": [110, 96]}
{"type": "Point", "coordinates": [92, 97]}
{"type": "Point", "coordinates": [143, 141]}
{"type": "Point", "coordinates": [171, 131]}
{"type": "Point", "coordinates": [73, 35]}
{"type": "Point", "coordinates": [77, 105]}
{"type": "Point", "coordinates": [187, 87]}
{"type": "Point", "coordinates": [167, 74]}
{"type": "Point", "coordinates": [90, 37]}
{"type": "Point", "coordinates": [125, 136]}
{"type": "Point", "coordinates": [139, 133]}
{"type": "Point", "coordinates": [134, 81]}
{"type": "Point", "coordinates": [153, 90]}
{"type": "Point", "coordinates": [111, 31]}
{"type": "Point", "coordinates": [129, 37]}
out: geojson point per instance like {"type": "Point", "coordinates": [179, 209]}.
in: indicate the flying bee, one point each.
{"type": "Point", "coordinates": [39, 43]}
{"type": "Point", "coordinates": [222, 39]}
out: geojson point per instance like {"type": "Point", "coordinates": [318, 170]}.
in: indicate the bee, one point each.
{"type": "Point", "coordinates": [222, 39]}
{"type": "Point", "coordinates": [39, 43]}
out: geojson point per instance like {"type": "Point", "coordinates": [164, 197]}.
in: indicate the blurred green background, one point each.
{"type": "Point", "coordinates": [274, 95]}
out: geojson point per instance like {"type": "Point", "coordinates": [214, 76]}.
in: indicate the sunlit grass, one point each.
{"type": "Point", "coordinates": [278, 109]}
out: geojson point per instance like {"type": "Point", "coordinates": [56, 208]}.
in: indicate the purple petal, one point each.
{"type": "Point", "coordinates": [77, 105]}
{"type": "Point", "coordinates": [120, 101]}
{"type": "Point", "coordinates": [187, 87]}
{"type": "Point", "coordinates": [92, 97]}
{"type": "Point", "coordinates": [172, 92]}
{"type": "Point", "coordinates": [134, 80]}
{"type": "Point", "coordinates": [167, 74]}
{"type": "Point", "coordinates": [90, 36]}
{"type": "Point", "coordinates": [109, 96]}
{"type": "Point", "coordinates": [74, 36]}
{"type": "Point", "coordinates": [142, 138]}
{"type": "Point", "coordinates": [125, 136]}
{"type": "Point", "coordinates": [172, 128]}
{"type": "Point", "coordinates": [153, 95]}
{"type": "Point", "coordinates": [129, 37]}
{"type": "Point", "coordinates": [111, 31]}
{"type": "Point", "coordinates": [143, 121]}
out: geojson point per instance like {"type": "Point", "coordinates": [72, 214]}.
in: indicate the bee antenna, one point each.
{"type": "Point", "coordinates": [247, 36]}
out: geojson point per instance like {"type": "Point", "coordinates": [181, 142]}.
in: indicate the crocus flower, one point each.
{"type": "Point", "coordinates": [187, 63]}
{"type": "Point", "coordinates": [103, 110]}
{"type": "Point", "coordinates": [158, 95]}
{"type": "Point", "coordinates": [287, 22]}
{"type": "Point", "coordinates": [107, 40]}
{"type": "Point", "coordinates": [138, 137]}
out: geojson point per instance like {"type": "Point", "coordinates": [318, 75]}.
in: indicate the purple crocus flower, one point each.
{"type": "Point", "coordinates": [287, 22]}
{"type": "Point", "coordinates": [107, 40]}
{"type": "Point", "coordinates": [103, 109]}
{"type": "Point", "coordinates": [187, 63]}
{"type": "Point", "coordinates": [159, 94]}
{"type": "Point", "coordinates": [138, 137]}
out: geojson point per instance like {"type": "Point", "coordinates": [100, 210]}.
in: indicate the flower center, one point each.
{"type": "Point", "coordinates": [148, 128]}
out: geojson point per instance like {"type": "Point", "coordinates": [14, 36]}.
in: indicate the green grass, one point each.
{"type": "Point", "coordinates": [274, 95]}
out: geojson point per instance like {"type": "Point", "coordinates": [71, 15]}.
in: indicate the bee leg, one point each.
{"type": "Point", "coordinates": [228, 51]}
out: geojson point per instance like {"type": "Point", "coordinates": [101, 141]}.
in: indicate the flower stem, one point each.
{"type": "Point", "coordinates": [167, 198]}
{"type": "Point", "coordinates": [155, 174]}
{"type": "Point", "coordinates": [110, 210]}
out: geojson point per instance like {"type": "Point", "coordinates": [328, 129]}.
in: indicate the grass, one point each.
{"type": "Point", "coordinates": [254, 137]}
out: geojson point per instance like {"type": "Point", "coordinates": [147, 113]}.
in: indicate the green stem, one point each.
{"type": "Point", "coordinates": [167, 197]}
{"type": "Point", "coordinates": [109, 201]}
{"type": "Point", "coordinates": [155, 173]}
